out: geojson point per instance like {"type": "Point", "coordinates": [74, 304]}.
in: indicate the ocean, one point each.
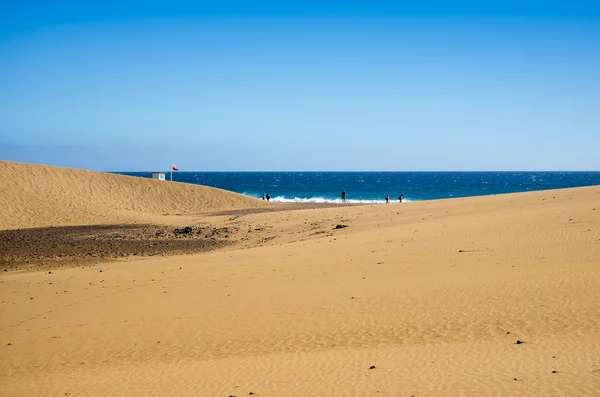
{"type": "Point", "coordinates": [372, 187]}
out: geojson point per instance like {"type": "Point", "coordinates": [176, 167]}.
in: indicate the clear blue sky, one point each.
{"type": "Point", "coordinates": [273, 85]}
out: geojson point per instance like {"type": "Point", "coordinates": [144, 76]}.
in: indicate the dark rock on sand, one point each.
{"type": "Point", "coordinates": [185, 230]}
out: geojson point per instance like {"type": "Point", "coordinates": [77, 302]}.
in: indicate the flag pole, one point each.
{"type": "Point", "coordinates": [171, 172]}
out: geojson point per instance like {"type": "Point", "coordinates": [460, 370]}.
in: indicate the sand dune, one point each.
{"type": "Point", "coordinates": [39, 196]}
{"type": "Point", "coordinates": [433, 295]}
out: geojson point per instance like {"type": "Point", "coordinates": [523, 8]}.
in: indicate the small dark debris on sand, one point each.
{"type": "Point", "coordinates": [340, 226]}
{"type": "Point", "coordinates": [518, 342]}
{"type": "Point", "coordinates": [372, 367]}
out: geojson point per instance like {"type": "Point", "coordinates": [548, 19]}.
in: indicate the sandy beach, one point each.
{"type": "Point", "coordinates": [104, 292]}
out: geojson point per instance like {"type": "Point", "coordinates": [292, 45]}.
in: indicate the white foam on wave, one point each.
{"type": "Point", "coordinates": [323, 200]}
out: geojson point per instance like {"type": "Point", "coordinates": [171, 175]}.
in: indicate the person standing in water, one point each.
{"type": "Point", "coordinates": [400, 198]}
{"type": "Point", "coordinates": [343, 196]}
{"type": "Point", "coordinates": [387, 198]}
{"type": "Point", "coordinates": [268, 197]}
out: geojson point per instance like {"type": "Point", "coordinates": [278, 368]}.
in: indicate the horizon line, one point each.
{"type": "Point", "coordinates": [383, 171]}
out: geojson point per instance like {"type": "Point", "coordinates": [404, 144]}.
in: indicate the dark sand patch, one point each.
{"type": "Point", "coordinates": [79, 245]}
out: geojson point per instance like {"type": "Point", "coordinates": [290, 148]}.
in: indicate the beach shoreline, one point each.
{"type": "Point", "coordinates": [492, 295]}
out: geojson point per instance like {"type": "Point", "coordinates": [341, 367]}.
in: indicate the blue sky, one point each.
{"type": "Point", "coordinates": [269, 85]}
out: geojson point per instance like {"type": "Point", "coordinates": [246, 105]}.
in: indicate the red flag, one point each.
{"type": "Point", "coordinates": [174, 168]}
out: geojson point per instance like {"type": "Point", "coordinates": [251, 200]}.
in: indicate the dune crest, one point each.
{"type": "Point", "coordinates": [34, 195]}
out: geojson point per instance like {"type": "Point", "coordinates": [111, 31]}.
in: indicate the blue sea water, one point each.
{"type": "Point", "coordinates": [372, 187]}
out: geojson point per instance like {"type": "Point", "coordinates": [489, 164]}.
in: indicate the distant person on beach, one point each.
{"type": "Point", "coordinates": [263, 196]}
{"type": "Point", "coordinates": [400, 198]}
{"type": "Point", "coordinates": [343, 196]}
{"type": "Point", "coordinates": [268, 196]}
{"type": "Point", "coordinates": [387, 198]}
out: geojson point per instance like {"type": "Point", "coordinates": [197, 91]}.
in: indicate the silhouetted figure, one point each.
{"type": "Point", "coordinates": [268, 196]}
{"type": "Point", "coordinates": [263, 196]}
{"type": "Point", "coordinates": [343, 196]}
{"type": "Point", "coordinates": [387, 198]}
{"type": "Point", "coordinates": [400, 198]}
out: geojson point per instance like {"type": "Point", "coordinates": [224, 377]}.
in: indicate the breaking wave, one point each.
{"type": "Point", "coordinates": [323, 200]}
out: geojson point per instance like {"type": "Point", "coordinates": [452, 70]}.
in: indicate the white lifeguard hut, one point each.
{"type": "Point", "coordinates": [158, 175]}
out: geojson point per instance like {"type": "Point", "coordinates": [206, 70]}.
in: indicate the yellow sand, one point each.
{"type": "Point", "coordinates": [309, 318]}
{"type": "Point", "coordinates": [40, 196]}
